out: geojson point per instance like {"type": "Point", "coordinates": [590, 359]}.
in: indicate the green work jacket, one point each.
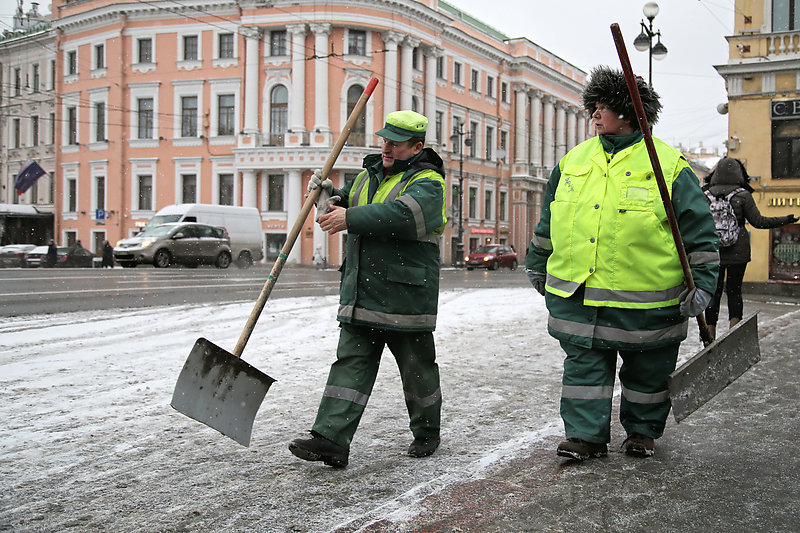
{"type": "Point", "coordinates": [390, 276]}
{"type": "Point", "coordinates": [613, 272]}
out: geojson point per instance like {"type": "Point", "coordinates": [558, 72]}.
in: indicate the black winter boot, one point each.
{"type": "Point", "coordinates": [320, 449]}
{"type": "Point", "coordinates": [423, 447]}
{"type": "Point", "coordinates": [580, 450]}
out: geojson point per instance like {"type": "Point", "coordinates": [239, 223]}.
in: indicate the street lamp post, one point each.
{"type": "Point", "coordinates": [458, 135]}
{"type": "Point", "coordinates": [644, 41]}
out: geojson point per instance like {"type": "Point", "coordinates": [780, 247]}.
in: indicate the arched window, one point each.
{"type": "Point", "coordinates": [358, 134]}
{"type": "Point", "coordinates": [279, 114]}
{"type": "Point", "coordinates": [414, 104]}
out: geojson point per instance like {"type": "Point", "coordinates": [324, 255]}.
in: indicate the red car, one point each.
{"type": "Point", "coordinates": [492, 256]}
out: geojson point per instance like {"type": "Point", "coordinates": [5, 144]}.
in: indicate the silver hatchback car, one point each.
{"type": "Point", "coordinates": [188, 244]}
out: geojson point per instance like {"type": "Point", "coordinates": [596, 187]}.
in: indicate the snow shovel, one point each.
{"type": "Point", "coordinates": [728, 357]}
{"type": "Point", "coordinates": [220, 389]}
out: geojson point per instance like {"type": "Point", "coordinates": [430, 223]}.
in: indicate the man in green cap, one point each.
{"type": "Point", "coordinates": [394, 214]}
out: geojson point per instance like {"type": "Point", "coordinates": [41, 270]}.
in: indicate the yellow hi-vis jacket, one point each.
{"type": "Point", "coordinates": [612, 233]}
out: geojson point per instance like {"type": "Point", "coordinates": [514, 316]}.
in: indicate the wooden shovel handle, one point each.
{"type": "Point", "coordinates": [630, 79]}
{"type": "Point", "coordinates": [298, 225]}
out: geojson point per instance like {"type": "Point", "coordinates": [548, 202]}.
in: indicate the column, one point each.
{"type": "Point", "coordinates": [520, 134]}
{"type": "Point", "coordinates": [431, 56]}
{"type": "Point", "coordinates": [249, 189]}
{"type": "Point", "coordinates": [252, 37]}
{"type": "Point", "coordinates": [321, 32]}
{"type": "Point", "coordinates": [561, 130]}
{"type": "Point", "coordinates": [294, 203]}
{"type": "Point", "coordinates": [571, 125]}
{"type": "Point", "coordinates": [297, 118]}
{"type": "Point", "coordinates": [548, 150]}
{"type": "Point", "coordinates": [535, 135]}
{"type": "Point", "coordinates": [391, 39]}
{"type": "Point", "coordinates": [581, 126]}
{"type": "Point", "coordinates": [407, 72]}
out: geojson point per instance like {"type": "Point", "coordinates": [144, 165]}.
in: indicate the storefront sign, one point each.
{"type": "Point", "coordinates": [782, 109]}
{"type": "Point", "coordinates": [784, 201]}
{"type": "Point", "coordinates": [488, 231]}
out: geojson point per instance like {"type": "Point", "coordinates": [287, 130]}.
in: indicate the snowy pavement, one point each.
{"type": "Point", "coordinates": [89, 441]}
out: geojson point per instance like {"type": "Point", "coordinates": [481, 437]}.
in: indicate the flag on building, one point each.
{"type": "Point", "coordinates": [28, 174]}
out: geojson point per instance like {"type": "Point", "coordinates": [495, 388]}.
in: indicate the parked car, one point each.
{"type": "Point", "coordinates": [36, 257]}
{"type": "Point", "coordinates": [492, 257]}
{"type": "Point", "coordinates": [74, 257]}
{"type": "Point", "coordinates": [184, 243]}
{"type": "Point", "coordinates": [13, 255]}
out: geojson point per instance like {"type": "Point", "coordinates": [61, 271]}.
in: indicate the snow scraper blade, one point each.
{"type": "Point", "coordinates": [703, 376]}
{"type": "Point", "coordinates": [220, 390]}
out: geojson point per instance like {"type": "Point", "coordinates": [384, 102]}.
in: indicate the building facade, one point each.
{"type": "Point", "coordinates": [763, 83]}
{"type": "Point", "coordinates": [237, 103]}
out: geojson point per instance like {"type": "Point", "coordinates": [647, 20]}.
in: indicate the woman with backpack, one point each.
{"type": "Point", "coordinates": [729, 180]}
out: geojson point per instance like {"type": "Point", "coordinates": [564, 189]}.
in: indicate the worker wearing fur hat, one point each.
{"type": "Point", "coordinates": [604, 257]}
{"type": "Point", "coordinates": [394, 214]}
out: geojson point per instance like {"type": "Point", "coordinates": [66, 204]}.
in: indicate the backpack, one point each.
{"type": "Point", "coordinates": [724, 217]}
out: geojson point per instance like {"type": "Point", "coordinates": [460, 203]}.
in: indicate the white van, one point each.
{"type": "Point", "coordinates": [243, 225]}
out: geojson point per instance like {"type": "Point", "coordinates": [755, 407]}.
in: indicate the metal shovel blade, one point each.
{"type": "Point", "coordinates": [703, 376]}
{"type": "Point", "coordinates": [220, 390]}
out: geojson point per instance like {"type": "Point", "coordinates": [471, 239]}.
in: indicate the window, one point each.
{"type": "Point", "coordinates": [279, 114]}
{"type": "Point", "coordinates": [34, 131]}
{"type": "Point", "coordinates": [52, 75]}
{"type": "Point", "coordinates": [785, 15]}
{"type": "Point", "coordinates": [473, 133]}
{"type": "Point", "coordinates": [72, 125]}
{"type": "Point", "coordinates": [785, 149]}
{"type": "Point", "coordinates": [457, 73]}
{"type": "Point", "coordinates": [475, 83]}
{"type": "Point", "coordinates": [72, 195]}
{"type": "Point", "coordinates": [188, 117]}
{"type": "Point", "coordinates": [440, 68]}
{"type": "Point", "coordinates": [99, 56]}
{"type": "Point", "coordinates": [490, 86]}
{"type": "Point", "coordinates": [225, 45]}
{"type": "Point", "coordinates": [473, 201]}
{"type": "Point", "coordinates": [277, 43]}
{"type": "Point", "coordinates": [190, 47]}
{"type": "Point", "coordinates": [275, 192]}
{"type": "Point", "coordinates": [145, 50]}
{"type": "Point", "coordinates": [438, 126]}
{"type": "Point", "coordinates": [52, 128]}
{"type": "Point", "coordinates": [487, 204]}
{"type": "Point", "coordinates": [17, 82]}
{"type": "Point", "coordinates": [455, 201]}
{"type": "Point", "coordinates": [72, 62]}
{"type": "Point", "coordinates": [226, 189]}
{"type": "Point", "coordinates": [358, 133]}
{"type": "Point", "coordinates": [489, 141]}
{"type": "Point", "coordinates": [145, 193]}
{"type": "Point", "coordinates": [16, 133]}
{"type": "Point", "coordinates": [357, 43]}
{"type": "Point", "coordinates": [503, 196]}
{"type": "Point", "coordinates": [504, 92]}
{"type": "Point", "coordinates": [100, 122]}
{"type": "Point", "coordinates": [100, 191]}
{"type": "Point", "coordinates": [35, 76]}
{"type": "Point", "coordinates": [226, 115]}
{"type": "Point", "coordinates": [145, 125]}
{"type": "Point", "coordinates": [415, 59]}
{"type": "Point", "coordinates": [504, 143]}
{"type": "Point", "coordinates": [189, 188]}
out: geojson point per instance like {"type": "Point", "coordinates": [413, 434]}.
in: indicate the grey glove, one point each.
{"type": "Point", "coordinates": [316, 181]}
{"type": "Point", "coordinates": [694, 302]}
{"type": "Point", "coordinates": [537, 279]}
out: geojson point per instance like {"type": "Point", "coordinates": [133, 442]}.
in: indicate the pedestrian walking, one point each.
{"type": "Point", "coordinates": [730, 179]}
{"type": "Point", "coordinates": [108, 255]}
{"type": "Point", "coordinates": [604, 257]}
{"type": "Point", "coordinates": [52, 254]}
{"type": "Point", "coordinates": [394, 214]}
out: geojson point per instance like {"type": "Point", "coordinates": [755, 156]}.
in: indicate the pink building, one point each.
{"type": "Point", "coordinates": [162, 103]}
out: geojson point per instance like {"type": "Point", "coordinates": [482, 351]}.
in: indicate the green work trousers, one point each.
{"type": "Point", "coordinates": [588, 389]}
{"type": "Point", "coordinates": [353, 374]}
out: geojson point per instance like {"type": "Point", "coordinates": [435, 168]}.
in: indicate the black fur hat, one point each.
{"type": "Point", "coordinates": [607, 86]}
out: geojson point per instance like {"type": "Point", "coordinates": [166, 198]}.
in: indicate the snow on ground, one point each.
{"type": "Point", "coordinates": [89, 440]}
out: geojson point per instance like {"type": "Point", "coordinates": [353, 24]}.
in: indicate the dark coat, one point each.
{"type": "Point", "coordinates": [728, 176]}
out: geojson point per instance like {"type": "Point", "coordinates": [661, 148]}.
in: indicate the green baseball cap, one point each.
{"type": "Point", "coordinates": [404, 125]}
